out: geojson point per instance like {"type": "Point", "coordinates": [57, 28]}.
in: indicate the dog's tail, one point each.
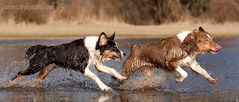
{"type": "Point", "coordinates": [32, 50]}
{"type": "Point", "coordinates": [37, 61]}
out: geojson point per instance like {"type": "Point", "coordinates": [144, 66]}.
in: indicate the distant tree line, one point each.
{"type": "Point", "coordinates": [137, 12]}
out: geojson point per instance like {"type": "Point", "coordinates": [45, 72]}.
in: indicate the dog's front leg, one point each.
{"type": "Point", "coordinates": [109, 70]}
{"type": "Point", "coordinates": [197, 68]}
{"type": "Point", "coordinates": [91, 75]}
{"type": "Point", "coordinates": [181, 74]}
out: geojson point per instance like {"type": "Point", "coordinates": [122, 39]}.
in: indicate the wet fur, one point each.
{"type": "Point", "coordinates": [149, 56]}
{"type": "Point", "coordinates": [73, 55]}
{"type": "Point", "coordinates": [170, 54]}
{"type": "Point", "coordinates": [77, 55]}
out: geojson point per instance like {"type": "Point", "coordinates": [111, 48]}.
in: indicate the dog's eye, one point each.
{"type": "Point", "coordinates": [203, 41]}
{"type": "Point", "coordinates": [114, 48]}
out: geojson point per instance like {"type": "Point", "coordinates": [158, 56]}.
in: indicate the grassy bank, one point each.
{"type": "Point", "coordinates": [71, 31]}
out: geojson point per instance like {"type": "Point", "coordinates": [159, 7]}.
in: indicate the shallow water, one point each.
{"type": "Point", "coordinates": [66, 85]}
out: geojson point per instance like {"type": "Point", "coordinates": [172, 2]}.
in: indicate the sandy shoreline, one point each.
{"type": "Point", "coordinates": [72, 31]}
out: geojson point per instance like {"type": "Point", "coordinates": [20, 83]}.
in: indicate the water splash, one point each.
{"type": "Point", "coordinates": [144, 83]}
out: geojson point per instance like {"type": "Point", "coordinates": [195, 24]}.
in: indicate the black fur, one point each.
{"type": "Point", "coordinates": [32, 50]}
{"type": "Point", "coordinates": [73, 55]}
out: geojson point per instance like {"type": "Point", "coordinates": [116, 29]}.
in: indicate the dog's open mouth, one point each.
{"type": "Point", "coordinates": [214, 51]}
{"type": "Point", "coordinates": [216, 48]}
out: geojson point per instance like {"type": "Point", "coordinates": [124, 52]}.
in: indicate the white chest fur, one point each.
{"type": "Point", "coordinates": [90, 44]}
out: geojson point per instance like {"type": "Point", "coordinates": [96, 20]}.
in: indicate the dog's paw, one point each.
{"type": "Point", "coordinates": [179, 80]}
{"type": "Point", "coordinates": [121, 81]}
{"type": "Point", "coordinates": [103, 98]}
{"type": "Point", "coordinates": [107, 89]}
{"type": "Point", "coordinates": [113, 77]}
{"type": "Point", "coordinates": [119, 78]}
{"type": "Point", "coordinates": [122, 78]}
{"type": "Point", "coordinates": [212, 81]}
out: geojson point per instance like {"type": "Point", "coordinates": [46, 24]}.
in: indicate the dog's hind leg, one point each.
{"type": "Point", "coordinates": [36, 64]}
{"type": "Point", "coordinates": [19, 75]}
{"type": "Point", "coordinates": [131, 64]}
{"type": "Point", "coordinates": [146, 71]}
{"type": "Point", "coordinates": [28, 71]}
{"type": "Point", "coordinates": [44, 72]}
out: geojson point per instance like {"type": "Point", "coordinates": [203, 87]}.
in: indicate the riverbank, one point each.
{"type": "Point", "coordinates": [58, 30]}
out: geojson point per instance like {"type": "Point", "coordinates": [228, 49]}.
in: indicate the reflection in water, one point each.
{"type": "Point", "coordinates": [103, 98]}
{"type": "Point", "coordinates": [42, 95]}
{"type": "Point", "coordinates": [66, 85]}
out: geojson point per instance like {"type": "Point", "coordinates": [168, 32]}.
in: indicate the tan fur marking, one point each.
{"type": "Point", "coordinates": [44, 72]}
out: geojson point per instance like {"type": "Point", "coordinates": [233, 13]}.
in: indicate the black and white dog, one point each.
{"type": "Point", "coordinates": [78, 55]}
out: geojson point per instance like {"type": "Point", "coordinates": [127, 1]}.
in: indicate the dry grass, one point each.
{"type": "Point", "coordinates": [39, 19]}
{"type": "Point", "coordinates": [60, 30]}
{"type": "Point", "coordinates": [136, 12]}
{"type": "Point", "coordinates": [223, 11]}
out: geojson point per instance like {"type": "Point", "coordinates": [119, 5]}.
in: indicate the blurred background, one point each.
{"type": "Point", "coordinates": [25, 23]}
{"type": "Point", "coordinates": [155, 18]}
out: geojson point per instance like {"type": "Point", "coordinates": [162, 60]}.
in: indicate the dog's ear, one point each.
{"type": "Point", "coordinates": [195, 30]}
{"type": "Point", "coordinates": [103, 39]}
{"type": "Point", "coordinates": [112, 36]}
{"type": "Point", "coordinates": [201, 29]}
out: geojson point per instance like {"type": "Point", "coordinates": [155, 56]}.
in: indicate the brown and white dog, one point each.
{"type": "Point", "coordinates": [171, 54]}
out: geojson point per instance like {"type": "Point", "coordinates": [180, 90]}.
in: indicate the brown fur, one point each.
{"type": "Point", "coordinates": [110, 54]}
{"type": "Point", "coordinates": [147, 72]}
{"type": "Point", "coordinates": [167, 53]}
{"type": "Point", "coordinates": [154, 55]}
{"type": "Point", "coordinates": [45, 71]}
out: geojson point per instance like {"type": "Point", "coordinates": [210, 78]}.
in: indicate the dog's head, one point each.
{"type": "Point", "coordinates": [202, 41]}
{"type": "Point", "coordinates": [109, 48]}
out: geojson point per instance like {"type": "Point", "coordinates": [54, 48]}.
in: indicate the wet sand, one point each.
{"type": "Point", "coordinates": [66, 85]}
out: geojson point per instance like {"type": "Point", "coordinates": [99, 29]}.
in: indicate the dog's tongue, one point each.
{"type": "Point", "coordinates": [217, 47]}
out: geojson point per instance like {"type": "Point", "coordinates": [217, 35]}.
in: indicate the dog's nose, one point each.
{"type": "Point", "coordinates": [124, 54]}
{"type": "Point", "coordinates": [218, 47]}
